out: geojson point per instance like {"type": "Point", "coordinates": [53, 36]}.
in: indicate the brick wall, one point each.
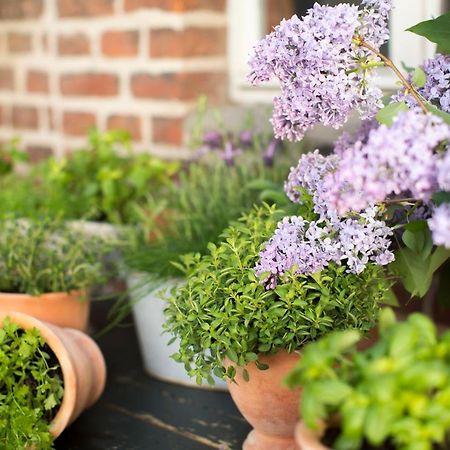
{"type": "Point", "coordinates": [66, 65]}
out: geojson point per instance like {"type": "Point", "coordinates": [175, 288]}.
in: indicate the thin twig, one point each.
{"type": "Point", "coordinates": [390, 64]}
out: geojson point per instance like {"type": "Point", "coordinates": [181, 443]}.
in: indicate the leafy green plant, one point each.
{"type": "Point", "coordinates": [102, 182]}
{"type": "Point", "coordinates": [31, 389]}
{"type": "Point", "coordinates": [225, 311]}
{"type": "Point", "coordinates": [42, 256]}
{"type": "Point", "coordinates": [9, 155]}
{"type": "Point", "coordinates": [395, 394]}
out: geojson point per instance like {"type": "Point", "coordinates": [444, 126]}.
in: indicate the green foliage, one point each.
{"type": "Point", "coordinates": [435, 30]}
{"type": "Point", "coordinates": [31, 389]}
{"type": "Point", "coordinates": [225, 311]}
{"type": "Point", "coordinates": [397, 392]}
{"type": "Point", "coordinates": [198, 207]}
{"type": "Point", "coordinates": [387, 114]}
{"type": "Point", "coordinates": [417, 262]}
{"type": "Point", "coordinates": [9, 155]}
{"type": "Point", "coordinates": [42, 256]}
{"type": "Point", "coordinates": [102, 182]}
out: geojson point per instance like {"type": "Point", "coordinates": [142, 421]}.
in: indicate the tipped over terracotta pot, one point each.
{"type": "Point", "coordinates": [65, 309]}
{"type": "Point", "coordinates": [81, 362]}
{"type": "Point", "coordinates": [269, 406]}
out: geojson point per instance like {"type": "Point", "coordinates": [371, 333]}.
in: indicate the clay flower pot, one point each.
{"type": "Point", "coordinates": [82, 365]}
{"type": "Point", "coordinates": [270, 407]}
{"type": "Point", "coordinates": [308, 439]}
{"type": "Point", "coordinates": [59, 308]}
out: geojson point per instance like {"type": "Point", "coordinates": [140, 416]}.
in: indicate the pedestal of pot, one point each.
{"type": "Point", "coordinates": [270, 407]}
{"type": "Point", "coordinates": [148, 312]}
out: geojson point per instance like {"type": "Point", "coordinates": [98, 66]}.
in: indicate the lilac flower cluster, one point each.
{"type": "Point", "coordinates": [308, 175]}
{"type": "Point", "coordinates": [308, 247]}
{"type": "Point", "coordinates": [437, 87]}
{"type": "Point", "coordinates": [314, 58]}
{"type": "Point", "coordinates": [393, 160]}
{"type": "Point", "coordinates": [440, 225]}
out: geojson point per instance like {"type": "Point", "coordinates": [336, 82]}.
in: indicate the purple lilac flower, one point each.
{"type": "Point", "coordinates": [396, 159]}
{"type": "Point", "coordinates": [314, 60]}
{"type": "Point", "coordinates": [440, 225]}
{"type": "Point", "coordinates": [437, 87]}
{"type": "Point", "coordinates": [309, 174]}
{"type": "Point", "coordinates": [308, 247]}
{"type": "Point", "coordinates": [443, 175]}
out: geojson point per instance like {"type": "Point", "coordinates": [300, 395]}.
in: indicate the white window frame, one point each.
{"type": "Point", "coordinates": [246, 19]}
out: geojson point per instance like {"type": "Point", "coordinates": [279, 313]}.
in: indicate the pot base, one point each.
{"type": "Point", "coordinates": [260, 441]}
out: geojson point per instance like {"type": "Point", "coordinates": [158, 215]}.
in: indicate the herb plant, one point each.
{"type": "Point", "coordinates": [225, 311]}
{"type": "Point", "coordinates": [102, 182]}
{"type": "Point", "coordinates": [31, 389]}
{"type": "Point", "coordinates": [42, 256]}
{"type": "Point", "coordinates": [395, 394]}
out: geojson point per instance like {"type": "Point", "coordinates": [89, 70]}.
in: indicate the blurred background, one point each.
{"type": "Point", "coordinates": [139, 65]}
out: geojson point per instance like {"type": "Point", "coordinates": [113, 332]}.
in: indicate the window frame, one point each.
{"type": "Point", "coordinates": [244, 33]}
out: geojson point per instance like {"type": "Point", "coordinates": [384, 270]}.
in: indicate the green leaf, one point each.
{"type": "Point", "coordinates": [437, 112]}
{"type": "Point", "coordinates": [419, 77]}
{"type": "Point", "coordinates": [377, 424]}
{"type": "Point", "coordinates": [419, 241]}
{"type": "Point", "coordinates": [413, 271]}
{"type": "Point", "coordinates": [439, 256]}
{"type": "Point", "coordinates": [387, 114]}
{"type": "Point", "coordinates": [330, 392]}
{"type": "Point", "coordinates": [387, 319]}
{"type": "Point", "coordinates": [435, 30]}
{"type": "Point", "coordinates": [441, 197]}
{"type": "Point", "coordinates": [232, 355]}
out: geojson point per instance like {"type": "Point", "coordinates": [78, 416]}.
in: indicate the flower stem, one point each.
{"type": "Point", "coordinates": [388, 62]}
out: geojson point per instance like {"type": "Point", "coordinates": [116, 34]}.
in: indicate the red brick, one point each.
{"type": "Point", "coordinates": [120, 43]}
{"type": "Point", "coordinates": [181, 86]}
{"type": "Point", "coordinates": [166, 43]}
{"type": "Point", "coordinates": [176, 5]}
{"type": "Point", "coordinates": [24, 117]}
{"type": "Point", "coordinates": [85, 8]}
{"type": "Point", "coordinates": [38, 153]}
{"type": "Point", "coordinates": [167, 131]}
{"type": "Point", "coordinates": [74, 44]}
{"type": "Point", "coordinates": [37, 81]}
{"type": "Point", "coordinates": [90, 84]}
{"type": "Point", "coordinates": [6, 79]}
{"type": "Point", "coordinates": [132, 124]}
{"type": "Point", "coordinates": [20, 9]}
{"type": "Point", "coordinates": [78, 123]}
{"type": "Point", "coordinates": [19, 42]}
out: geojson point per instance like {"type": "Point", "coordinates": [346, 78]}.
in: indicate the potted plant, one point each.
{"type": "Point", "coordinates": [49, 375]}
{"type": "Point", "coordinates": [213, 189]}
{"type": "Point", "coordinates": [101, 183]}
{"type": "Point", "coordinates": [246, 325]}
{"type": "Point", "coordinates": [393, 395]}
{"type": "Point", "coordinates": [46, 270]}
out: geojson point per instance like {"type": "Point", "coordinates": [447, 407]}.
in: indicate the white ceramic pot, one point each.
{"type": "Point", "coordinates": [148, 312]}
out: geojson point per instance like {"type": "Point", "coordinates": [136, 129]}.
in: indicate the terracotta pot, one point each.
{"type": "Point", "coordinates": [82, 364]}
{"type": "Point", "coordinates": [307, 439]}
{"type": "Point", "coordinates": [270, 407]}
{"type": "Point", "coordinates": [59, 308]}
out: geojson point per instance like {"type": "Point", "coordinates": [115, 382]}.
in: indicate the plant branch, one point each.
{"type": "Point", "coordinates": [400, 200]}
{"type": "Point", "coordinates": [388, 62]}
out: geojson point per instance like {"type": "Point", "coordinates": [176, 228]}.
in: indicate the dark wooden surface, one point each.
{"type": "Point", "coordinates": [137, 412]}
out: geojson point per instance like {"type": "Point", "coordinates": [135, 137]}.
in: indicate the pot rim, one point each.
{"type": "Point", "coordinates": [47, 331]}
{"type": "Point", "coordinates": [47, 295]}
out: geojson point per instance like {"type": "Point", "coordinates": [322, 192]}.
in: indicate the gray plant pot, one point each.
{"type": "Point", "coordinates": [148, 312]}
